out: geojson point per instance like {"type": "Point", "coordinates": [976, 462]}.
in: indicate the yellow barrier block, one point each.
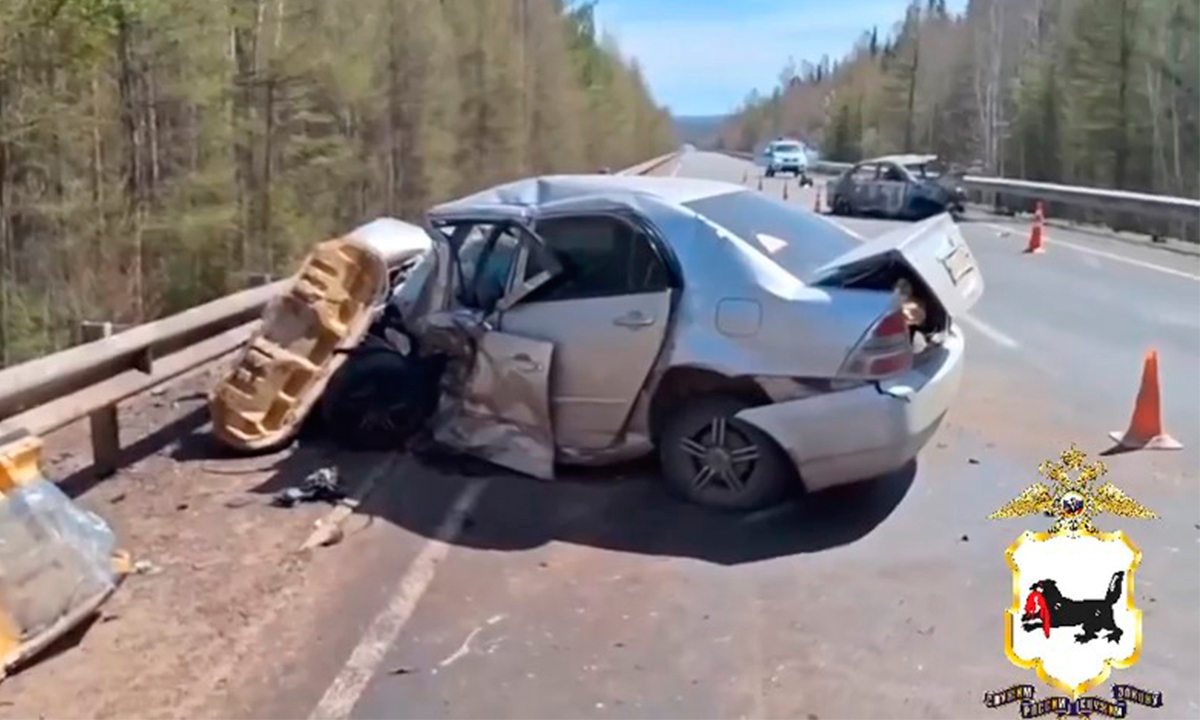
{"type": "Point", "coordinates": [19, 462]}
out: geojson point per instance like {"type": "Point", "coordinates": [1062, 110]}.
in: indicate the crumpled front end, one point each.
{"type": "Point", "coordinates": [494, 402]}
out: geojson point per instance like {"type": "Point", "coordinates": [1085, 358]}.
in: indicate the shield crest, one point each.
{"type": "Point", "coordinates": [1073, 617]}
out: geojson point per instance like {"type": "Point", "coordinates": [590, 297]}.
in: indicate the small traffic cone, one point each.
{"type": "Point", "coordinates": [817, 200]}
{"type": "Point", "coordinates": [1035, 233]}
{"type": "Point", "coordinates": [745, 176]}
{"type": "Point", "coordinates": [785, 190]}
{"type": "Point", "coordinates": [760, 182]}
{"type": "Point", "coordinates": [1146, 427]}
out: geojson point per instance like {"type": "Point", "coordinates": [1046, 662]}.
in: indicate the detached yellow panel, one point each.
{"type": "Point", "coordinates": [280, 375]}
{"type": "Point", "coordinates": [56, 559]}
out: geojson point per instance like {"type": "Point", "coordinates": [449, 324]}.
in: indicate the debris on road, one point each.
{"type": "Point", "coordinates": [145, 567]}
{"type": "Point", "coordinates": [320, 486]}
{"type": "Point", "coordinates": [462, 650]}
{"type": "Point", "coordinates": [402, 670]}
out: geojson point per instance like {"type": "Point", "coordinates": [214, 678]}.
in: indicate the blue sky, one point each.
{"type": "Point", "coordinates": [702, 57]}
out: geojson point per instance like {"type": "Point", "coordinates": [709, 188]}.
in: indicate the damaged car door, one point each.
{"type": "Point", "coordinates": [607, 314]}
{"type": "Point", "coordinates": [500, 409]}
{"type": "Point", "coordinates": [892, 186]}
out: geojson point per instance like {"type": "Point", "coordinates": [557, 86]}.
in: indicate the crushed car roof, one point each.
{"type": "Point", "coordinates": [903, 160]}
{"type": "Point", "coordinates": [516, 197]}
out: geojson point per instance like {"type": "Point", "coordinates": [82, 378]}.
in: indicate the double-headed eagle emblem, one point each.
{"type": "Point", "coordinates": [1073, 501]}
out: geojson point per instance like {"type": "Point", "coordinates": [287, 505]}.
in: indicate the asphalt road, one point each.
{"type": "Point", "coordinates": [598, 596]}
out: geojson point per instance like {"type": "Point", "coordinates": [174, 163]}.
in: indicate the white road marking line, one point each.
{"type": "Point", "coordinates": [989, 332]}
{"type": "Point", "coordinates": [1101, 253]}
{"type": "Point", "coordinates": [339, 700]}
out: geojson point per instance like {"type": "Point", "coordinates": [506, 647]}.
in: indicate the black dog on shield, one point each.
{"type": "Point", "coordinates": [1046, 608]}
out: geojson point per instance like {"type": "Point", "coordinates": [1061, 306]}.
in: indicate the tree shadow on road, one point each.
{"type": "Point", "coordinates": [627, 509]}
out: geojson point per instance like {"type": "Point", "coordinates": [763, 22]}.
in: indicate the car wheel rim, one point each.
{"type": "Point", "coordinates": [721, 457]}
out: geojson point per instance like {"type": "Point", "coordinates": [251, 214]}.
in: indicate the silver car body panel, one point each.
{"type": "Point", "coordinates": [743, 311]}
{"type": "Point", "coordinates": [860, 433]}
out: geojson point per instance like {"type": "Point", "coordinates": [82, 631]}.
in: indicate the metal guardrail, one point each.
{"type": "Point", "coordinates": [1144, 205]}
{"type": "Point", "coordinates": [1116, 201]}
{"type": "Point", "coordinates": [89, 380]}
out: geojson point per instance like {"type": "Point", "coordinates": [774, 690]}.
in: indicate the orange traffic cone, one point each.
{"type": "Point", "coordinates": [1146, 427]}
{"type": "Point", "coordinates": [1035, 234]}
{"type": "Point", "coordinates": [817, 200]}
{"type": "Point", "coordinates": [785, 192]}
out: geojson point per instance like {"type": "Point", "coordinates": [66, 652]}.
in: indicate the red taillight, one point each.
{"type": "Point", "coordinates": [884, 351]}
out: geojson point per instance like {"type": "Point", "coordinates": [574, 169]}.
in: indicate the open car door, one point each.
{"type": "Point", "coordinates": [499, 410]}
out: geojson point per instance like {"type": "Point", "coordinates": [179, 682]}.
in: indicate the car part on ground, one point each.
{"type": "Point", "coordinates": [262, 401]}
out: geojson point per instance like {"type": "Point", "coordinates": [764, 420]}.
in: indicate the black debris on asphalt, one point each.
{"type": "Point", "coordinates": [320, 486]}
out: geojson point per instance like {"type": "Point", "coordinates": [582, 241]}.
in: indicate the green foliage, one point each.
{"type": "Point", "coordinates": [1095, 92]}
{"type": "Point", "coordinates": [155, 152]}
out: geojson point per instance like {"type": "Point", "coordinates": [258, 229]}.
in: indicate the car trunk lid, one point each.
{"type": "Point", "coordinates": [934, 249]}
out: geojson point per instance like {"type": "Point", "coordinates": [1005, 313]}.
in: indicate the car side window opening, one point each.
{"type": "Point", "coordinates": [601, 256]}
{"type": "Point", "coordinates": [485, 258]}
{"type": "Point", "coordinates": [491, 280]}
{"type": "Point", "coordinates": [893, 174]}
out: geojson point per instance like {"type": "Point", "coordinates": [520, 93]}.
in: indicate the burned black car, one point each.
{"type": "Point", "coordinates": [902, 187]}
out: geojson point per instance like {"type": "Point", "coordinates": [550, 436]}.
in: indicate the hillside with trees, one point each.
{"type": "Point", "coordinates": [156, 153]}
{"type": "Point", "coordinates": [1102, 93]}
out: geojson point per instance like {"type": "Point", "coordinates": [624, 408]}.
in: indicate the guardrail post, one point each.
{"type": "Point", "coordinates": [105, 430]}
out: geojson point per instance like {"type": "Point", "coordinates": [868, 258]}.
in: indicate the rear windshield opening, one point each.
{"type": "Point", "coordinates": [795, 239]}
{"type": "Point", "coordinates": [787, 148]}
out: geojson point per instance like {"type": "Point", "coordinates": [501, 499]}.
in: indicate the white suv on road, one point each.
{"type": "Point", "coordinates": [784, 155]}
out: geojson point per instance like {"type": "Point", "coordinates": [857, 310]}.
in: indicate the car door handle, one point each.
{"type": "Point", "coordinates": [634, 320]}
{"type": "Point", "coordinates": [525, 364]}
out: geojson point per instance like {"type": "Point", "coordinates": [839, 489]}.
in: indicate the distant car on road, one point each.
{"type": "Point", "coordinates": [590, 319]}
{"type": "Point", "coordinates": [903, 187]}
{"type": "Point", "coordinates": [789, 156]}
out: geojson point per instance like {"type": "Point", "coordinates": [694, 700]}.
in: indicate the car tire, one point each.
{"type": "Point", "coordinates": [752, 473]}
{"type": "Point", "coordinates": [770, 173]}
{"type": "Point", "coordinates": [379, 398]}
{"type": "Point", "coordinates": [840, 206]}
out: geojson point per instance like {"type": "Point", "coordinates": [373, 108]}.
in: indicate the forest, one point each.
{"type": "Point", "coordinates": [155, 154]}
{"type": "Point", "coordinates": [1102, 93]}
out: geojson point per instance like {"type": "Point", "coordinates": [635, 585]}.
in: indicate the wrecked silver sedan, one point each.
{"type": "Point", "coordinates": [591, 319]}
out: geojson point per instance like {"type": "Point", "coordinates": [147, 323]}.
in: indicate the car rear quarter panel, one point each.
{"type": "Point", "coordinates": [741, 314]}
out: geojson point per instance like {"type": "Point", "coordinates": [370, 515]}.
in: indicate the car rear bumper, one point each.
{"type": "Point", "coordinates": [843, 437]}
